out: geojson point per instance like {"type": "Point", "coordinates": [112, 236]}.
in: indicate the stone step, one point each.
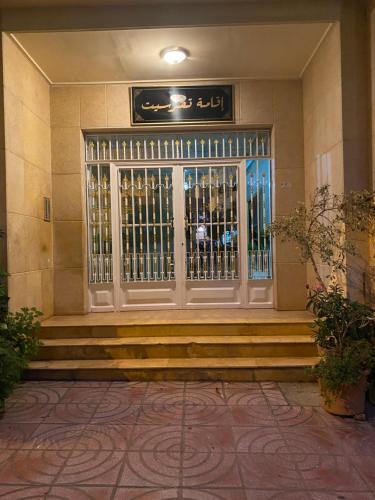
{"type": "Point", "coordinates": [64, 331]}
{"type": "Point", "coordinates": [236, 369]}
{"type": "Point", "coordinates": [177, 347]}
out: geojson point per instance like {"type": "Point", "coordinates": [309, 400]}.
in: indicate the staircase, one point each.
{"type": "Point", "coordinates": [240, 349]}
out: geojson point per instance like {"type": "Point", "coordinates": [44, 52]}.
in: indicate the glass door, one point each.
{"type": "Point", "coordinates": [147, 237]}
{"type": "Point", "coordinates": [212, 233]}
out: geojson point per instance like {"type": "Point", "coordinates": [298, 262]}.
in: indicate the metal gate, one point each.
{"type": "Point", "coordinates": [179, 233]}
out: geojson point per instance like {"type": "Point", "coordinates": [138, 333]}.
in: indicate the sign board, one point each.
{"type": "Point", "coordinates": [193, 104]}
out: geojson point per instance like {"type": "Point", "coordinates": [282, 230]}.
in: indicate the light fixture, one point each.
{"type": "Point", "coordinates": [174, 55]}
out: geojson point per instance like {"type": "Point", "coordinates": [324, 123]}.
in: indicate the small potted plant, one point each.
{"type": "Point", "coordinates": [344, 332]}
{"type": "Point", "coordinates": [343, 328]}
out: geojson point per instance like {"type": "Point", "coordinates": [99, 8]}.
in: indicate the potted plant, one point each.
{"type": "Point", "coordinates": [343, 328]}
{"type": "Point", "coordinates": [344, 332]}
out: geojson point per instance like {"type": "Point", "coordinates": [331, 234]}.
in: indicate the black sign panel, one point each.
{"type": "Point", "coordinates": [182, 104]}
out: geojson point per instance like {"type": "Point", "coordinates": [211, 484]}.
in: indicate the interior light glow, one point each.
{"type": "Point", "coordinates": [174, 55]}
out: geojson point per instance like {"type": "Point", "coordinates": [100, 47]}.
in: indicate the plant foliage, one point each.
{"type": "Point", "coordinates": [18, 344]}
{"type": "Point", "coordinates": [320, 229]}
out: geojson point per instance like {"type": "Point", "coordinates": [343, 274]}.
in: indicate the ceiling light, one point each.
{"type": "Point", "coordinates": [174, 55]}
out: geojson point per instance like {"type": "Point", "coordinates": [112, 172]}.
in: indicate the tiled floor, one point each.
{"type": "Point", "coordinates": [196, 441]}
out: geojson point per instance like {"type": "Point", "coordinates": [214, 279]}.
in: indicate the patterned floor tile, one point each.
{"type": "Point", "coordinates": [24, 492]}
{"type": "Point", "coordinates": [84, 395]}
{"type": "Point", "coordinates": [332, 473]}
{"type": "Point", "coordinates": [277, 495]}
{"type": "Point", "coordinates": [212, 395]}
{"type": "Point", "coordinates": [15, 436]}
{"type": "Point", "coordinates": [252, 415]}
{"type": "Point", "coordinates": [115, 412]}
{"type": "Point", "coordinates": [306, 439]}
{"type": "Point", "coordinates": [160, 415]}
{"type": "Point", "coordinates": [55, 437]}
{"type": "Point", "coordinates": [338, 495]}
{"type": "Point", "coordinates": [147, 494]}
{"type": "Point", "coordinates": [105, 437]}
{"type": "Point", "coordinates": [165, 398]}
{"type": "Point", "coordinates": [294, 416]}
{"type": "Point", "coordinates": [157, 438]}
{"type": "Point", "coordinates": [32, 467]}
{"type": "Point", "coordinates": [209, 439]}
{"type": "Point", "coordinates": [80, 493]}
{"type": "Point", "coordinates": [207, 415]}
{"type": "Point", "coordinates": [27, 413]}
{"type": "Point", "coordinates": [210, 470]}
{"type": "Point", "coordinates": [70, 413]}
{"type": "Point", "coordinates": [365, 467]}
{"type": "Point", "coordinates": [151, 469]}
{"type": "Point", "coordinates": [358, 439]}
{"type": "Point", "coordinates": [270, 470]}
{"type": "Point", "coordinates": [259, 440]}
{"type": "Point", "coordinates": [37, 394]}
{"type": "Point", "coordinates": [275, 397]}
{"type": "Point", "coordinates": [91, 468]}
{"type": "Point", "coordinates": [125, 396]}
{"type": "Point", "coordinates": [241, 397]}
{"type": "Point", "coordinates": [213, 494]}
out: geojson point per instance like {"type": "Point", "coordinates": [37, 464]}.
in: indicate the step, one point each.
{"type": "Point", "coordinates": [64, 331]}
{"type": "Point", "coordinates": [177, 347]}
{"type": "Point", "coordinates": [240, 369]}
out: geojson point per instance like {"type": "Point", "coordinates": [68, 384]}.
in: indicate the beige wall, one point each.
{"type": "Point", "coordinates": [90, 107]}
{"type": "Point", "coordinates": [28, 180]}
{"type": "Point", "coordinates": [322, 119]}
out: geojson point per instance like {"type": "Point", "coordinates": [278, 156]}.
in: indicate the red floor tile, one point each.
{"type": "Point", "coordinates": [91, 468]}
{"type": "Point", "coordinates": [209, 439]}
{"type": "Point", "coordinates": [70, 413]}
{"type": "Point", "coordinates": [270, 471]}
{"type": "Point", "coordinates": [331, 473]}
{"type": "Point", "coordinates": [105, 437]}
{"type": "Point", "coordinates": [277, 495]}
{"type": "Point", "coordinates": [32, 467]}
{"type": "Point", "coordinates": [37, 394]}
{"type": "Point", "coordinates": [207, 415]}
{"type": "Point", "coordinates": [115, 412]}
{"type": "Point", "coordinates": [55, 437]}
{"type": "Point", "coordinates": [24, 492]}
{"type": "Point", "coordinates": [157, 438]}
{"type": "Point", "coordinates": [151, 469]}
{"type": "Point", "coordinates": [213, 395]}
{"type": "Point", "coordinates": [294, 416]}
{"type": "Point", "coordinates": [146, 494]}
{"type": "Point", "coordinates": [27, 413]}
{"type": "Point", "coordinates": [80, 493]}
{"type": "Point", "coordinates": [307, 439]}
{"type": "Point", "coordinates": [259, 440]}
{"type": "Point", "coordinates": [160, 415]}
{"type": "Point", "coordinates": [253, 415]}
{"type": "Point", "coordinates": [15, 436]}
{"type": "Point", "coordinates": [210, 470]}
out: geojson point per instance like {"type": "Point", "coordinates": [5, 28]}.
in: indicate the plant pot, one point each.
{"type": "Point", "coordinates": [351, 400]}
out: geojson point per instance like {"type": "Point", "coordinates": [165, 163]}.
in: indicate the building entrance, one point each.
{"type": "Point", "coordinates": [177, 233]}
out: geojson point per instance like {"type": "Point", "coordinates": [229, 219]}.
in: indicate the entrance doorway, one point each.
{"type": "Point", "coordinates": [179, 234]}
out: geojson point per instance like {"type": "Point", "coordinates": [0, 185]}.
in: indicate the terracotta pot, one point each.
{"type": "Point", "coordinates": [350, 402]}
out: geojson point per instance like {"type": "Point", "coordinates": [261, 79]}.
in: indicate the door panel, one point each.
{"type": "Point", "coordinates": [212, 262]}
{"type": "Point", "coordinates": [147, 253]}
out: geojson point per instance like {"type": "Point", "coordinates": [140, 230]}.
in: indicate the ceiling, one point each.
{"type": "Point", "coordinates": [229, 52]}
{"type": "Point", "coordinates": [89, 3]}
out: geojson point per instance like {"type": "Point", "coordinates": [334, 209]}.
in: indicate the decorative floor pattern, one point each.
{"type": "Point", "coordinates": [176, 440]}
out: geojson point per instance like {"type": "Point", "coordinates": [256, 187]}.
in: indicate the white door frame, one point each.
{"type": "Point", "coordinates": [244, 290]}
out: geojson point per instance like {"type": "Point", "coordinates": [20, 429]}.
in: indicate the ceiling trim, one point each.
{"type": "Point", "coordinates": [315, 50]}
{"type": "Point", "coordinates": [230, 12]}
{"type": "Point", "coordinates": [30, 58]}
